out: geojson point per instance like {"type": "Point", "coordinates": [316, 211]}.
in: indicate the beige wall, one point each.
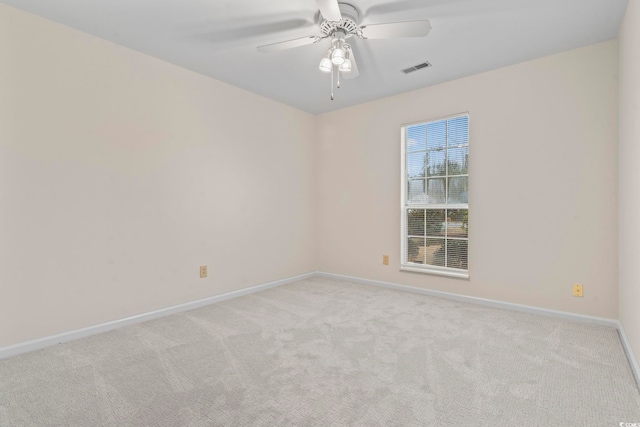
{"type": "Point", "coordinates": [629, 175]}
{"type": "Point", "coordinates": [543, 205]}
{"type": "Point", "coordinates": [121, 174]}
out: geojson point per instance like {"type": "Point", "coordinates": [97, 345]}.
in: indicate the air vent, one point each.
{"type": "Point", "coordinates": [416, 67]}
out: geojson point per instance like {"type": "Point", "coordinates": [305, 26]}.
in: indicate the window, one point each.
{"type": "Point", "coordinates": [435, 210]}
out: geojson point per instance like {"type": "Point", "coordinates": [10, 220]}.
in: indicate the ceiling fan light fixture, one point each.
{"type": "Point", "coordinates": [345, 67]}
{"type": "Point", "coordinates": [337, 56]}
{"type": "Point", "coordinates": [325, 64]}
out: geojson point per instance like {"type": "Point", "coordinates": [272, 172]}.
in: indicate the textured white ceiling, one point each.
{"type": "Point", "coordinates": [218, 38]}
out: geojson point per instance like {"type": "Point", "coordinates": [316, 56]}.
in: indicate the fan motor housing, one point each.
{"type": "Point", "coordinates": [348, 24]}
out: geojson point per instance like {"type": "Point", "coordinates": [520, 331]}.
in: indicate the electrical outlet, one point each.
{"type": "Point", "coordinates": [385, 259]}
{"type": "Point", "coordinates": [577, 291]}
{"type": "Point", "coordinates": [203, 271]}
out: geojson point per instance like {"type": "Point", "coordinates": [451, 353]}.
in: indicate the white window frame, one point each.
{"type": "Point", "coordinates": [404, 264]}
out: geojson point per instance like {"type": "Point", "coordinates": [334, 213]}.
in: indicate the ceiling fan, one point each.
{"type": "Point", "coordinates": [339, 22]}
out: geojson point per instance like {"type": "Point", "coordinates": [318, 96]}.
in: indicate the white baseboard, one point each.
{"type": "Point", "coordinates": [581, 318]}
{"type": "Point", "coordinates": [633, 360]}
{"type": "Point", "coordinates": [41, 343]}
{"type": "Point", "coordinates": [601, 321]}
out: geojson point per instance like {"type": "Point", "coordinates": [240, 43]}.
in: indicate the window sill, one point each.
{"type": "Point", "coordinates": [439, 272]}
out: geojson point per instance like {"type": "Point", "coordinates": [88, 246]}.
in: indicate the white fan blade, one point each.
{"type": "Point", "coordinates": [329, 9]}
{"type": "Point", "coordinates": [354, 69]}
{"type": "Point", "coordinates": [273, 47]}
{"type": "Point", "coordinates": [397, 29]}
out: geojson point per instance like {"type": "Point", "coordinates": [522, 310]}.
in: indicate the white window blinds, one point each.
{"type": "Point", "coordinates": [435, 182]}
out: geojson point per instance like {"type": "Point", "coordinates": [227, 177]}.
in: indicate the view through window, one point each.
{"type": "Point", "coordinates": [435, 217]}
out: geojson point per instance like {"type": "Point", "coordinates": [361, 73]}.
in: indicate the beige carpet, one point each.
{"type": "Point", "coordinates": [326, 353]}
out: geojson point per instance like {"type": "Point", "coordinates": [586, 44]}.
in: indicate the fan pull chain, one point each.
{"type": "Point", "coordinates": [338, 75]}
{"type": "Point", "coordinates": [332, 67]}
